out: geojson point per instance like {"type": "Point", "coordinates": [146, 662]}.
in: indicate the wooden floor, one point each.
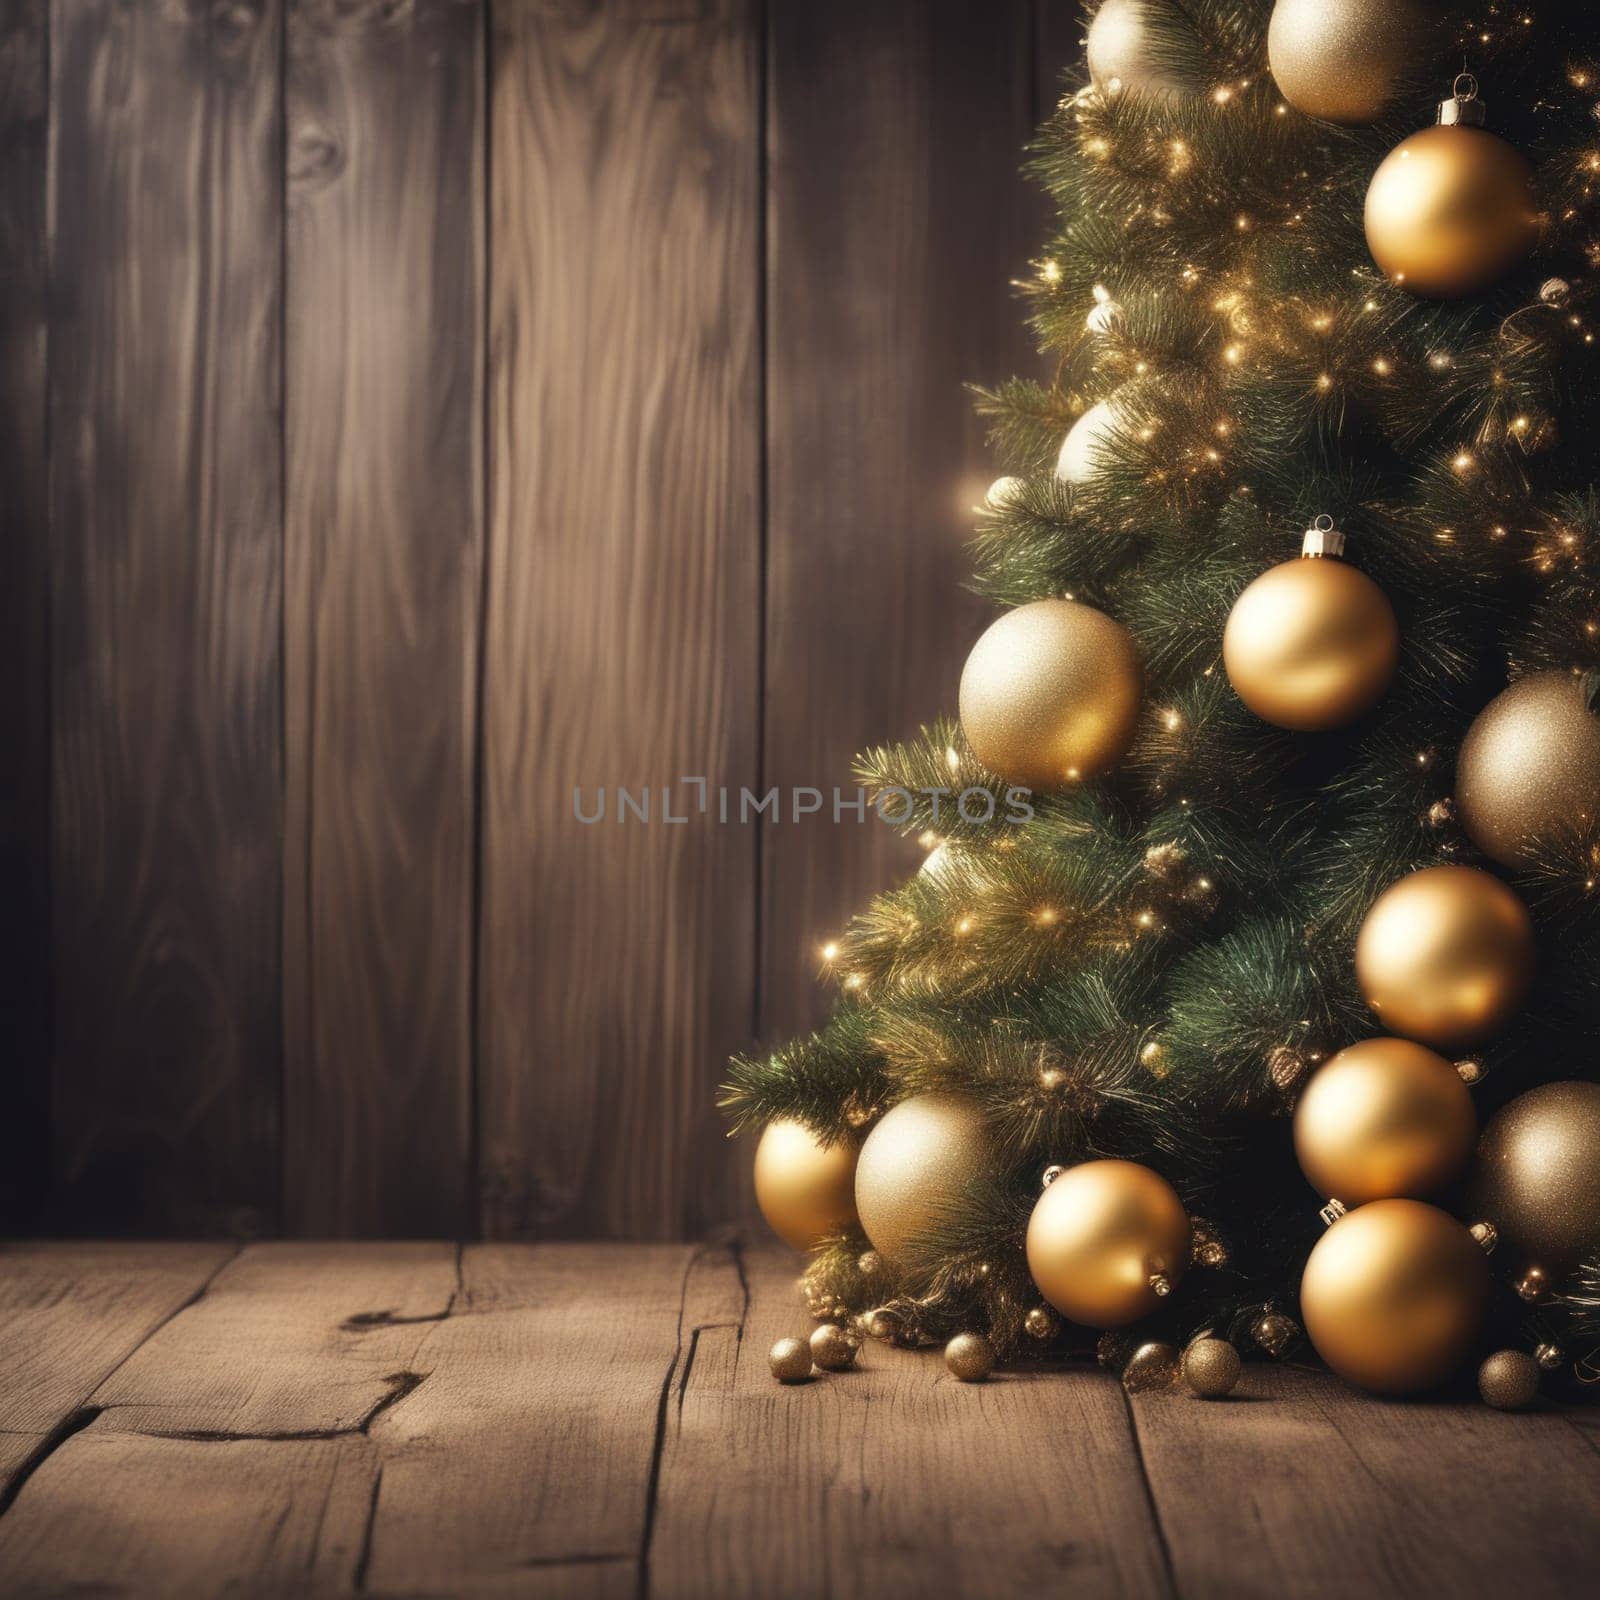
{"type": "Point", "coordinates": [558, 1420]}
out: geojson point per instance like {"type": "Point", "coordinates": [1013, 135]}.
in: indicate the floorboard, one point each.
{"type": "Point", "coordinates": [579, 1420]}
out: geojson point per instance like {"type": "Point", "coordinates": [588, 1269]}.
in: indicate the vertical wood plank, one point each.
{"type": "Point", "coordinates": [24, 608]}
{"type": "Point", "coordinates": [898, 221]}
{"type": "Point", "coordinates": [621, 648]}
{"type": "Point", "coordinates": [165, 503]}
{"type": "Point", "coordinates": [383, 545]}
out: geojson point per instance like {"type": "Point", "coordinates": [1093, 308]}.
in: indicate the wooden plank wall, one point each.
{"type": "Point", "coordinates": [417, 412]}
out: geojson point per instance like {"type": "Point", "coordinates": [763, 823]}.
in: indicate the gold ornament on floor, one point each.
{"type": "Point", "coordinates": [805, 1189]}
{"type": "Point", "coordinates": [1152, 1366]}
{"type": "Point", "coordinates": [1537, 1176]}
{"type": "Point", "coordinates": [1312, 643]}
{"type": "Point", "coordinates": [1106, 1241]}
{"type": "Point", "coordinates": [1509, 1380]}
{"type": "Point", "coordinates": [1529, 768]}
{"type": "Point", "coordinates": [1446, 956]}
{"type": "Point", "coordinates": [1393, 1295]}
{"type": "Point", "coordinates": [1050, 694]}
{"type": "Point", "coordinates": [1452, 209]}
{"type": "Point", "coordinates": [1211, 1368]}
{"type": "Point", "coordinates": [790, 1360]}
{"type": "Point", "coordinates": [970, 1357]}
{"type": "Point", "coordinates": [1089, 441]}
{"type": "Point", "coordinates": [1384, 1118]}
{"type": "Point", "coordinates": [1342, 59]}
{"type": "Point", "coordinates": [1124, 49]}
{"type": "Point", "coordinates": [832, 1348]}
{"type": "Point", "coordinates": [918, 1160]}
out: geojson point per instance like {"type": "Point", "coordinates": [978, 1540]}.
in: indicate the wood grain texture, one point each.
{"type": "Point", "coordinates": [898, 220]}
{"type": "Point", "coordinates": [24, 612]}
{"type": "Point", "coordinates": [165, 502]}
{"type": "Point", "coordinates": [1331, 1493]}
{"type": "Point", "coordinates": [383, 545]}
{"type": "Point", "coordinates": [621, 648]}
{"type": "Point", "coordinates": [890, 1480]}
{"type": "Point", "coordinates": [527, 1453]}
{"type": "Point", "coordinates": [69, 1315]}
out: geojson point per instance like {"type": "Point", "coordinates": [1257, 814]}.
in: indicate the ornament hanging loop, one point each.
{"type": "Point", "coordinates": [1463, 109]}
{"type": "Point", "coordinates": [1322, 539]}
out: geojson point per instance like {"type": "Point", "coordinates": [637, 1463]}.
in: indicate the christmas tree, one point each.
{"type": "Point", "coordinates": [1264, 853]}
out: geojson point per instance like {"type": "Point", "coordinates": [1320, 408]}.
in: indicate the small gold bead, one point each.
{"type": "Point", "coordinates": [1042, 1323]}
{"type": "Point", "coordinates": [1550, 1356]}
{"type": "Point", "coordinates": [1050, 1174]}
{"type": "Point", "coordinates": [790, 1360]}
{"type": "Point", "coordinates": [869, 1263]}
{"type": "Point", "coordinates": [970, 1357]}
{"type": "Point", "coordinates": [1151, 1366]}
{"type": "Point", "coordinates": [1275, 1332]}
{"type": "Point", "coordinates": [1509, 1380]}
{"type": "Point", "coordinates": [1211, 1368]}
{"type": "Point", "coordinates": [1487, 1236]}
{"type": "Point", "coordinates": [832, 1348]}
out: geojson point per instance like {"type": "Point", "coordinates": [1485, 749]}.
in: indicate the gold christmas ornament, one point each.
{"type": "Point", "coordinates": [832, 1348]}
{"type": "Point", "coordinates": [1393, 1295]}
{"type": "Point", "coordinates": [1275, 1333]}
{"type": "Point", "coordinates": [919, 1159]}
{"type": "Point", "coordinates": [1002, 492]}
{"type": "Point", "coordinates": [1088, 442]}
{"type": "Point", "coordinates": [790, 1360]}
{"type": "Point", "coordinates": [1151, 1366]}
{"type": "Point", "coordinates": [1509, 1380]}
{"type": "Point", "coordinates": [1106, 1241]}
{"type": "Point", "coordinates": [1537, 1176]}
{"type": "Point", "coordinates": [1382, 1119]}
{"type": "Point", "coordinates": [1312, 643]}
{"type": "Point", "coordinates": [1050, 694]}
{"type": "Point", "coordinates": [1446, 956]}
{"type": "Point", "coordinates": [1211, 1368]}
{"type": "Point", "coordinates": [1341, 60]}
{"type": "Point", "coordinates": [1042, 1323]}
{"type": "Point", "coordinates": [970, 1357]}
{"type": "Point", "coordinates": [1123, 51]}
{"type": "Point", "coordinates": [1453, 208]}
{"type": "Point", "coordinates": [805, 1189]}
{"type": "Point", "coordinates": [1529, 768]}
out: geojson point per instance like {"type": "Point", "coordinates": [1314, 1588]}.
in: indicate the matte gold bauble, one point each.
{"type": "Point", "coordinates": [1106, 1241]}
{"type": "Point", "coordinates": [1050, 694]}
{"type": "Point", "coordinates": [1123, 52]}
{"type": "Point", "coordinates": [833, 1348]}
{"type": "Point", "coordinates": [805, 1189]}
{"type": "Point", "coordinates": [790, 1360]}
{"type": "Point", "coordinates": [1342, 59]}
{"type": "Point", "coordinates": [1453, 208]}
{"type": "Point", "coordinates": [1393, 1295]}
{"type": "Point", "coordinates": [1384, 1118]}
{"type": "Point", "coordinates": [1537, 1177]}
{"type": "Point", "coordinates": [919, 1160]}
{"type": "Point", "coordinates": [1446, 956]}
{"type": "Point", "coordinates": [1311, 644]}
{"type": "Point", "coordinates": [1529, 767]}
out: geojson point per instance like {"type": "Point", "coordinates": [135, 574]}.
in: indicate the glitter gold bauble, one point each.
{"type": "Point", "coordinates": [918, 1161]}
{"type": "Point", "coordinates": [1453, 208]}
{"type": "Point", "coordinates": [1393, 1295]}
{"type": "Point", "coordinates": [1124, 49]}
{"type": "Point", "coordinates": [1106, 1240]}
{"type": "Point", "coordinates": [1050, 694]}
{"type": "Point", "coordinates": [1384, 1118]}
{"type": "Point", "coordinates": [1311, 644]}
{"type": "Point", "coordinates": [1445, 956]}
{"type": "Point", "coordinates": [790, 1360]}
{"type": "Point", "coordinates": [1537, 1176]}
{"type": "Point", "coordinates": [805, 1189]}
{"type": "Point", "coordinates": [1529, 768]}
{"type": "Point", "coordinates": [832, 1348]}
{"type": "Point", "coordinates": [1341, 60]}
{"type": "Point", "coordinates": [1509, 1380]}
{"type": "Point", "coordinates": [1211, 1368]}
{"type": "Point", "coordinates": [970, 1357]}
